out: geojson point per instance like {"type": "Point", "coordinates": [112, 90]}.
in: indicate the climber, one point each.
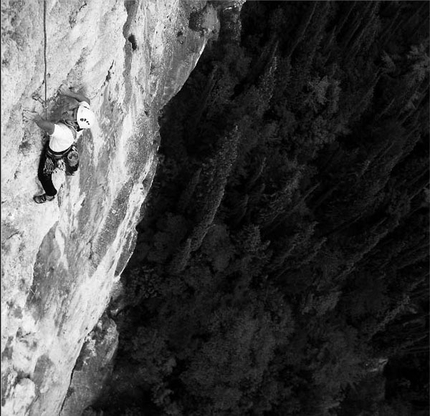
{"type": "Point", "coordinates": [61, 148]}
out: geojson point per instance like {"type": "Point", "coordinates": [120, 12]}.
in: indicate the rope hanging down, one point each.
{"type": "Point", "coordinates": [44, 56]}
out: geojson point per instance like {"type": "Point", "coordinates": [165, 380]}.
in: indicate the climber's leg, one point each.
{"type": "Point", "coordinates": [46, 167]}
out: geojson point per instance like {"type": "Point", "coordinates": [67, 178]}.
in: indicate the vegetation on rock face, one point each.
{"type": "Point", "coordinates": [283, 256]}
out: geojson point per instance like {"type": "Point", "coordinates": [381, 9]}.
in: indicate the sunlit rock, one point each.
{"type": "Point", "coordinates": [61, 259]}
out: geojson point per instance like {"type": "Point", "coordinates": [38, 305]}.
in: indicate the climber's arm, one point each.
{"type": "Point", "coordinates": [45, 125]}
{"type": "Point", "coordinates": [68, 93]}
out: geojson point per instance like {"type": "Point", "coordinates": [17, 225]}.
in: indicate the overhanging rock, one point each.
{"type": "Point", "coordinates": [61, 259]}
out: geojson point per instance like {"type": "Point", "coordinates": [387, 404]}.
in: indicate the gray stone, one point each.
{"type": "Point", "coordinates": [60, 260]}
{"type": "Point", "coordinates": [92, 368]}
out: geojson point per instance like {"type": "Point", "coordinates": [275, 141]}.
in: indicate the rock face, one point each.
{"type": "Point", "coordinates": [61, 259]}
{"type": "Point", "coordinates": [92, 368]}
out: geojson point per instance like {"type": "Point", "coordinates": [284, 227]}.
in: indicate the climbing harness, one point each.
{"type": "Point", "coordinates": [67, 160]}
{"type": "Point", "coordinates": [57, 155]}
{"type": "Point", "coordinates": [52, 160]}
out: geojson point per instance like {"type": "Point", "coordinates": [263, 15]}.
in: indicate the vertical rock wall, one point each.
{"type": "Point", "coordinates": [61, 259]}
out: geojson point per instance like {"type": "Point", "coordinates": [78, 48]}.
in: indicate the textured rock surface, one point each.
{"type": "Point", "coordinates": [61, 259]}
{"type": "Point", "coordinates": [93, 366]}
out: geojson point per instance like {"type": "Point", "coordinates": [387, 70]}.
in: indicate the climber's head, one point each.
{"type": "Point", "coordinates": [85, 117]}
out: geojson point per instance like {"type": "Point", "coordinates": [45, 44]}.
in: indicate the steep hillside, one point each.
{"type": "Point", "coordinates": [60, 260]}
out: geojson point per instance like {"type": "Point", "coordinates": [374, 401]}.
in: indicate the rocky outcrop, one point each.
{"type": "Point", "coordinates": [94, 365]}
{"type": "Point", "coordinates": [61, 259]}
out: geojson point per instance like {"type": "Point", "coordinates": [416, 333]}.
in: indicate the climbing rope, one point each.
{"type": "Point", "coordinates": [44, 57]}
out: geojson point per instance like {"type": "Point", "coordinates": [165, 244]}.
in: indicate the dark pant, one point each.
{"type": "Point", "coordinates": [45, 176]}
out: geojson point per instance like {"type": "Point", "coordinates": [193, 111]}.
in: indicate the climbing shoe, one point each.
{"type": "Point", "coordinates": [41, 199]}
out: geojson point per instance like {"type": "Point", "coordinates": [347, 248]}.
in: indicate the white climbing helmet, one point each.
{"type": "Point", "coordinates": [85, 117]}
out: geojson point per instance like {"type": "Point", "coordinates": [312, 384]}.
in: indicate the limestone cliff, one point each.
{"type": "Point", "coordinates": [61, 259]}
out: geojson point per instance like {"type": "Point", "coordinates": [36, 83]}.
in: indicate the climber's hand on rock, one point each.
{"type": "Point", "coordinates": [30, 115]}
